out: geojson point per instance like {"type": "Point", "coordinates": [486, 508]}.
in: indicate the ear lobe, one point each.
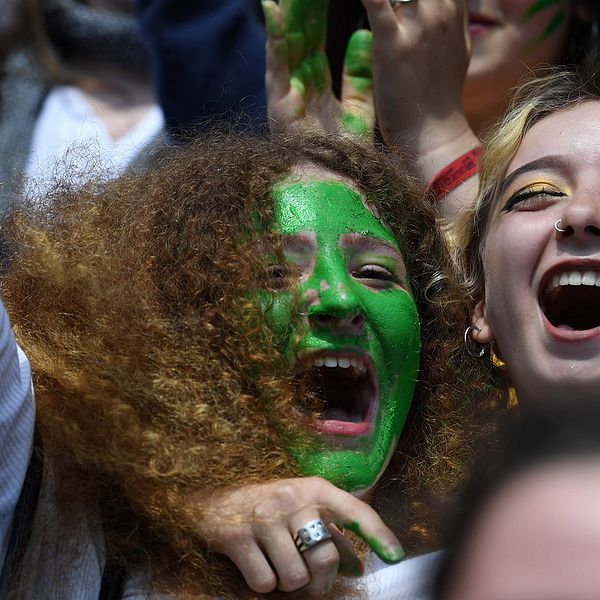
{"type": "Point", "coordinates": [483, 334]}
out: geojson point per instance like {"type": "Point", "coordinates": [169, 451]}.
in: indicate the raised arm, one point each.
{"type": "Point", "coordinates": [421, 53]}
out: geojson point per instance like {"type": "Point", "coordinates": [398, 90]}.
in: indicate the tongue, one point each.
{"type": "Point", "coordinates": [566, 327]}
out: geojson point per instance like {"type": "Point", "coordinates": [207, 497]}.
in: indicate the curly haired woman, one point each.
{"type": "Point", "coordinates": [181, 327]}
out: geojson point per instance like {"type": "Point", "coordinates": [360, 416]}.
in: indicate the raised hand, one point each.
{"type": "Point", "coordinates": [421, 53]}
{"type": "Point", "coordinates": [298, 79]}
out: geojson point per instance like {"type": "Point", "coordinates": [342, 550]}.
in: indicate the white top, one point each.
{"type": "Point", "coordinates": [406, 580]}
{"type": "Point", "coordinates": [68, 132]}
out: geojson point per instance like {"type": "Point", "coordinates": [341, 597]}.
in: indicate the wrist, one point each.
{"type": "Point", "coordinates": [455, 173]}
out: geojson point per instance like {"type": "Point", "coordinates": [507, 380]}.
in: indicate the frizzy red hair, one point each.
{"type": "Point", "coordinates": [155, 376]}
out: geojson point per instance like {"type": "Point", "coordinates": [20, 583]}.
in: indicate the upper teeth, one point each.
{"type": "Point", "coordinates": [344, 362]}
{"type": "Point", "coordinates": [575, 278]}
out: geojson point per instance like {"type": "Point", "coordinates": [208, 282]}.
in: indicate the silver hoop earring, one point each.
{"type": "Point", "coordinates": [558, 228]}
{"type": "Point", "coordinates": [469, 342]}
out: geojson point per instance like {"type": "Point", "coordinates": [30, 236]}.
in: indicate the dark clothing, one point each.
{"type": "Point", "coordinates": [208, 58]}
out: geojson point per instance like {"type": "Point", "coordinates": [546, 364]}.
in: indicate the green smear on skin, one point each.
{"type": "Point", "coordinates": [538, 6]}
{"type": "Point", "coordinates": [557, 21]}
{"type": "Point", "coordinates": [358, 59]}
{"type": "Point", "coordinates": [272, 25]}
{"type": "Point", "coordinates": [388, 554]}
{"type": "Point", "coordinates": [333, 212]}
{"type": "Point", "coordinates": [355, 124]}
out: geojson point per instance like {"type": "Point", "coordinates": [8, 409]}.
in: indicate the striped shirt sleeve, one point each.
{"type": "Point", "coordinates": [17, 417]}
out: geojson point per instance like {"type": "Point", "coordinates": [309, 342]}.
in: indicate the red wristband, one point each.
{"type": "Point", "coordinates": [457, 172]}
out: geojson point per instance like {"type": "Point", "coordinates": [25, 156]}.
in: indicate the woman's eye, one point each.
{"type": "Point", "coordinates": [375, 276]}
{"type": "Point", "coordinates": [533, 198]}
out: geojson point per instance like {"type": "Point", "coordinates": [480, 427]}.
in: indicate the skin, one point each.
{"type": "Point", "coordinates": [522, 249]}
{"type": "Point", "coordinates": [538, 538]}
{"type": "Point", "coordinates": [520, 35]}
{"type": "Point", "coordinates": [325, 225]}
{"type": "Point", "coordinates": [354, 289]}
{"type": "Point", "coordinates": [298, 79]}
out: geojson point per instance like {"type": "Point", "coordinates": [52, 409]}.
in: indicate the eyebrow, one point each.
{"type": "Point", "coordinates": [297, 240]}
{"type": "Point", "coordinates": [367, 242]}
{"type": "Point", "coordinates": [552, 162]}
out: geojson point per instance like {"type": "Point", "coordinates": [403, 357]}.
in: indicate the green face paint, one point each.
{"type": "Point", "coordinates": [361, 331]}
{"type": "Point", "coordinates": [557, 19]}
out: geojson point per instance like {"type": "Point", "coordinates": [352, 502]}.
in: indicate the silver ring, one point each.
{"type": "Point", "coordinates": [313, 533]}
{"type": "Point", "coordinates": [394, 3]}
{"type": "Point", "coordinates": [558, 228]}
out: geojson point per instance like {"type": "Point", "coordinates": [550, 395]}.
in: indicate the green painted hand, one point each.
{"type": "Point", "coordinates": [298, 78]}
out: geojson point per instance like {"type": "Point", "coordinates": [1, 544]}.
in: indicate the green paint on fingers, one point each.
{"type": "Point", "coordinates": [390, 554]}
{"type": "Point", "coordinates": [358, 60]}
{"type": "Point", "coordinates": [355, 124]}
{"type": "Point", "coordinates": [272, 22]}
{"type": "Point", "coordinates": [318, 66]}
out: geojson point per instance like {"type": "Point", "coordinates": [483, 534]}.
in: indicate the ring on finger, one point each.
{"type": "Point", "coordinates": [394, 3]}
{"type": "Point", "coordinates": [313, 533]}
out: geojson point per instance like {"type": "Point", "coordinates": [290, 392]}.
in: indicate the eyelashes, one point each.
{"type": "Point", "coordinates": [532, 198]}
{"type": "Point", "coordinates": [378, 275]}
{"type": "Point", "coordinates": [281, 276]}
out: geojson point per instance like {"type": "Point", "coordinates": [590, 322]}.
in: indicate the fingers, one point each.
{"type": "Point", "coordinates": [255, 568]}
{"type": "Point", "coordinates": [358, 109]}
{"type": "Point", "coordinates": [355, 515]}
{"type": "Point", "coordinates": [382, 18]}
{"type": "Point", "coordinates": [350, 564]}
{"type": "Point", "coordinates": [292, 572]}
{"type": "Point", "coordinates": [322, 560]}
{"type": "Point", "coordinates": [278, 73]}
{"type": "Point", "coordinates": [315, 26]}
{"type": "Point", "coordinates": [293, 12]}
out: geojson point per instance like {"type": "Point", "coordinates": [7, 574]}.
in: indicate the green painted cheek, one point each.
{"type": "Point", "coordinates": [391, 337]}
{"type": "Point", "coordinates": [557, 20]}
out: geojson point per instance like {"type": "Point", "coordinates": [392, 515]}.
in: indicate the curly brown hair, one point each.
{"type": "Point", "coordinates": [155, 375]}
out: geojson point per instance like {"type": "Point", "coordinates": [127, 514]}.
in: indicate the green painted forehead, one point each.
{"type": "Point", "coordinates": [324, 206]}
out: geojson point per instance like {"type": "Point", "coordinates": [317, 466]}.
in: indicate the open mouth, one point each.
{"type": "Point", "coordinates": [571, 300]}
{"type": "Point", "coordinates": [345, 384]}
{"type": "Point", "coordinates": [479, 21]}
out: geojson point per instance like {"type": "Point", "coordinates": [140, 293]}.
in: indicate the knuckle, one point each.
{"type": "Point", "coordinates": [285, 495]}
{"type": "Point", "coordinates": [263, 584]}
{"type": "Point", "coordinates": [313, 591]}
{"type": "Point", "coordinates": [294, 580]}
{"type": "Point", "coordinates": [262, 513]}
{"type": "Point", "coordinates": [329, 560]}
{"type": "Point", "coordinates": [227, 539]}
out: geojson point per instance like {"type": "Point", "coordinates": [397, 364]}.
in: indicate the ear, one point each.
{"type": "Point", "coordinates": [484, 334]}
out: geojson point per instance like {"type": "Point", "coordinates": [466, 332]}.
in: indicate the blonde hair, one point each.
{"type": "Point", "coordinates": [553, 90]}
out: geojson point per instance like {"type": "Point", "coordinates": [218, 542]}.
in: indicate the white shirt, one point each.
{"type": "Point", "coordinates": [68, 136]}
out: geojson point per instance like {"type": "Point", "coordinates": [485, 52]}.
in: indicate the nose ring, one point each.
{"type": "Point", "coordinates": [558, 228]}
